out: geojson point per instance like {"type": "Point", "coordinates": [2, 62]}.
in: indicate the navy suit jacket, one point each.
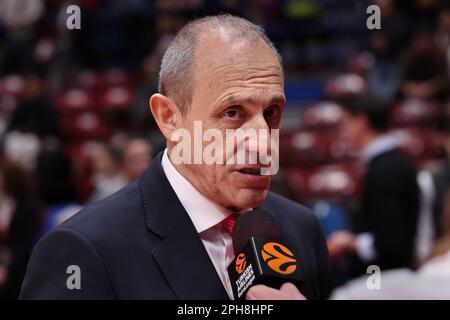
{"type": "Point", "coordinates": [141, 244]}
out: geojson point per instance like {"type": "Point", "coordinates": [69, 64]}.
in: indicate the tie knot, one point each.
{"type": "Point", "coordinates": [228, 222]}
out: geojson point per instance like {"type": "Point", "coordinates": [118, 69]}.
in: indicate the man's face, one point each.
{"type": "Point", "coordinates": [236, 85]}
{"type": "Point", "coordinates": [137, 157]}
{"type": "Point", "coordinates": [353, 129]}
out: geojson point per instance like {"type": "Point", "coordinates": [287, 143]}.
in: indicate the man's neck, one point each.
{"type": "Point", "coordinates": [367, 139]}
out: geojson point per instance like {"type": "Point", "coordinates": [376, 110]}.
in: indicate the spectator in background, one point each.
{"type": "Point", "coordinates": [386, 225]}
{"type": "Point", "coordinates": [22, 148]}
{"type": "Point", "coordinates": [383, 76]}
{"type": "Point", "coordinates": [18, 228]}
{"type": "Point", "coordinates": [434, 182]}
{"type": "Point", "coordinates": [19, 19]}
{"type": "Point", "coordinates": [54, 180]}
{"type": "Point", "coordinates": [442, 244]}
{"type": "Point", "coordinates": [441, 182]}
{"type": "Point", "coordinates": [141, 120]}
{"type": "Point", "coordinates": [136, 158]}
{"type": "Point", "coordinates": [34, 112]}
{"type": "Point", "coordinates": [424, 68]}
{"type": "Point", "coordinates": [430, 281]}
{"type": "Point", "coordinates": [395, 23]}
{"type": "Point", "coordinates": [54, 174]}
{"type": "Point", "coordinates": [442, 35]}
{"type": "Point", "coordinates": [107, 176]}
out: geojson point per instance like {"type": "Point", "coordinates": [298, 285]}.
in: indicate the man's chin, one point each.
{"type": "Point", "coordinates": [249, 198]}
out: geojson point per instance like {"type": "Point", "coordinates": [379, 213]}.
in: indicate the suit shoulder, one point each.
{"type": "Point", "coordinates": [290, 209]}
{"type": "Point", "coordinates": [58, 252]}
{"type": "Point", "coordinates": [393, 168]}
{"type": "Point", "coordinates": [393, 160]}
{"type": "Point", "coordinates": [111, 215]}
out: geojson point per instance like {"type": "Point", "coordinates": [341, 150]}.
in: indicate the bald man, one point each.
{"type": "Point", "coordinates": [163, 236]}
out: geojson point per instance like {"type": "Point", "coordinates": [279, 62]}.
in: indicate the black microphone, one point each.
{"type": "Point", "coordinates": [262, 256]}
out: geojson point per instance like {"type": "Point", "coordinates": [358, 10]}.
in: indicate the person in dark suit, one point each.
{"type": "Point", "coordinates": [386, 223]}
{"type": "Point", "coordinates": [19, 220]}
{"type": "Point", "coordinates": [163, 236]}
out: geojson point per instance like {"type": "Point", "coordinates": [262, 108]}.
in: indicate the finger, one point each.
{"type": "Point", "coordinates": [259, 292]}
{"type": "Point", "coordinates": [292, 291]}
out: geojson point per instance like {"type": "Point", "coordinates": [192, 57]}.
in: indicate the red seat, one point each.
{"type": "Point", "coordinates": [75, 101]}
{"type": "Point", "coordinates": [322, 116]}
{"type": "Point", "coordinates": [309, 148]}
{"type": "Point", "coordinates": [79, 152]}
{"type": "Point", "coordinates": [13, 84]}
{"type": "Point", "coordinates": [86, 125]}
{"type": "Point", "coordinates": [327, 182]}
{"type": "Point", "coordinates": [420, 144]}
{"type": "Point", "coordinates": [117, 77]}
{"type": "Point", "coordinates": [91, 81]}
{"type": "Point", "coordinates": [360, 63]}
{"type": "Point", "coordinates": [414, 112]}
{"type": "Point", "coordinates": [117, 98]}
{"type": "Point", "coordinates": [345, 85]}
{"type": "Point", "coordinates": [98, 81]}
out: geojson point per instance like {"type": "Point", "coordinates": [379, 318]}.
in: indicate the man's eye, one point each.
{"type": "Point", "coordinates": [271, 112]}
{"type": "Point", "coordinates": [232, 113]}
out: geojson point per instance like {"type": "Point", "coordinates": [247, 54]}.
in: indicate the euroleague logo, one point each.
{"type": "Point", "coordinates": [241, 263]}
{"type": "Point", "coordinates": [279, 258]}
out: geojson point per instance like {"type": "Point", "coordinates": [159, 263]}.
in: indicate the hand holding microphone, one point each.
{"type": "Point", "coordinates": [288, 291]}
{"type": "Point", "coordinates": [265, 267]}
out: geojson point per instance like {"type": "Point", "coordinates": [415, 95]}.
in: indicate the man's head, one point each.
{"type": "Point", "coordinates": [365, 117]}
{"type": "Point", "coordinates": [224, 72]}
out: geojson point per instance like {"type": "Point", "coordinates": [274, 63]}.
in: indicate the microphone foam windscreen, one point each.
{"type": "Point", "coordinates": [256, 223]}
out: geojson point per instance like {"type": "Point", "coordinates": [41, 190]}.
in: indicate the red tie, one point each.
{"type": "Point", "coordinates": [228, 222]}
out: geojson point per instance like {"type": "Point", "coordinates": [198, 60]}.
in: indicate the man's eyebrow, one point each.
{"type": "Point", "coordinates": [241, 101]}
{"type": "Point", "coordinates": [278, 99]}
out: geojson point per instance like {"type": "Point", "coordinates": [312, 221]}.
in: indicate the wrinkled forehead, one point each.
{"type": "Point", "coordinates": [221, 61]}
{"type": "Point", "coordinates": [219, 48]}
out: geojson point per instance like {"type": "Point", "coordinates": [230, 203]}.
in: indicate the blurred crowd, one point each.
{"type": "Point", "coordinates": [75, 125]}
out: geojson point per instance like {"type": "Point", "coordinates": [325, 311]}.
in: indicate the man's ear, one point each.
{"type": "Point", "coordinates": [165, 113]}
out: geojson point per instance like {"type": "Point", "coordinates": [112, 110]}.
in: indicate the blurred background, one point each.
{"type": "Point", "coordinates": [75, 125]}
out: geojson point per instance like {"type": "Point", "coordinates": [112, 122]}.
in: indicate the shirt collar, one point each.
{"type": "Point", "coordinates": [203, 212]}
{"type": "Point", "coordinates": [379, 145]}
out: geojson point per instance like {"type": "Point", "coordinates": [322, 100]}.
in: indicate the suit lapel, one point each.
{"type": "Point", "coordinates": [181, 255]}
{"type": "Point", "coordinates": [187, 266]}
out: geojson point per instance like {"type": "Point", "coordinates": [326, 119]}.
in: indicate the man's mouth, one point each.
{"type": "Point", "coordinates": [255, 171]}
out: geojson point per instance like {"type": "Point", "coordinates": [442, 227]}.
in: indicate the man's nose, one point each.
{"type": "Point", "coordinates": [256, 122]}
{"type": "Point", "coordinates": [262, 141]}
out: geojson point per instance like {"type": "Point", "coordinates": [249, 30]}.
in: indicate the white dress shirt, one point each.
{"type": "Point", "coordinates": [379, 145]}
{"type": "Point", "coordinates": [206, 217]}
{"type": "Point", "coordinates": [425, 234]}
